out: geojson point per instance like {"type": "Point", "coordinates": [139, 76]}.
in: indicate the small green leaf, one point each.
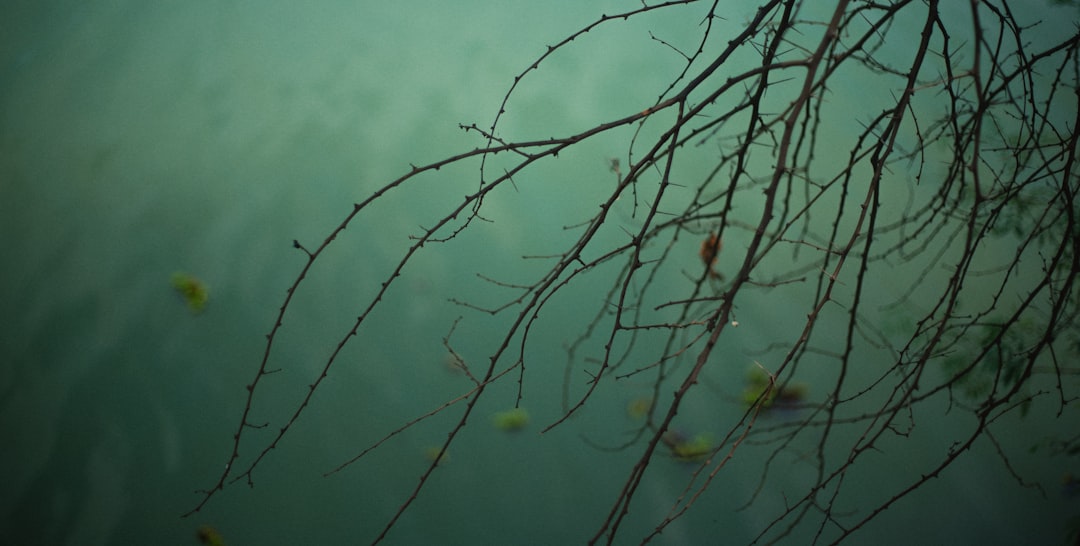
{"type": "Point", "coordinates": [511, 420]}
{"type": "Point", "coordinates": [193, 291]}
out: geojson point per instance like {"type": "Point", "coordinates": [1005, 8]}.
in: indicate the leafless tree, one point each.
{"type": "Point", "coordinates": [761, 178]}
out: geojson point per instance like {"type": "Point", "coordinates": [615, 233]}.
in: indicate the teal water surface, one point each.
{"type": "Point", "coordinates": [142, 139]}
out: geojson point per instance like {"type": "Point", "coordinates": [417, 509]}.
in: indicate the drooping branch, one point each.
{"type": "Point", "coordinates": [799, 208]}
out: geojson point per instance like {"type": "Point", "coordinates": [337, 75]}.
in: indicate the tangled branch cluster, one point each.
{"type": "Point", "coordinates": [954, 169]}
